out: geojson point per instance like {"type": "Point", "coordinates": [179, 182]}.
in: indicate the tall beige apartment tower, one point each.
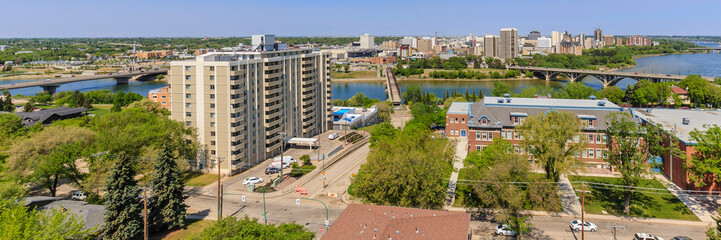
{"type": "Point", "coordinates": [508, 44]}
{"type": "Point", "coordinates": [490, 46]}
{"type": "Point", "coordinates": [244, 103]}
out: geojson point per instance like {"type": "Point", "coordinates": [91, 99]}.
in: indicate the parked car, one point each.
{"type": "Point", "coordinates": [252, 180]}
{"type": "Point", "coordinates": [46, 80]}
{"type": "Point", "coordinates": [78, 196]}
{"type": "Point", "coordinates": [645, 236]}
{"type": "Point", "coordinates": [271, 170]}
{"type": "Point", "coordinates": [681, 238]}
{"type": "Point", "coordinates": [587, 226]}
{"type": "Point", "coordinates": [332, 136]}
{"type": "Point", "coordinates": [504, 230]}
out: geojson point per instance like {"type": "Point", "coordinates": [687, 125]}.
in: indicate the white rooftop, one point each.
{"type": "Point", "coordinates": [673, 118]}
{"type": "Point", "coordinates": [458, 108]}
{"type": "Point", "coordinates": [551, 102]}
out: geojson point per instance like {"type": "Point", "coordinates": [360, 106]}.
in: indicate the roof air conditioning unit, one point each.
{"type": "Point", "coordinates": [500, 100]}
{"type": "Point", "coordinates": [601, 103]}
{"type": "Point", "coordinates": [508, 100]}
{"type": "Point", "coordinates": [592, 97]}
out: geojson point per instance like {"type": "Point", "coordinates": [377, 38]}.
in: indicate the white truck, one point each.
{"type": "Point", "coordinates": [287, 161]}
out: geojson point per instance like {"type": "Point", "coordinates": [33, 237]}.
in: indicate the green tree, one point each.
{"type": "Point", "coordinates": [384, 111]}
{"type": "Point", "coordinates": [500, 88]}
{"type": "Point", "coordinates": [246, 228]}
{"type": "Point", "coordinates": [487, 158]}
{"type": "Point", "coordinates": [612, 93]}
{"type": "Point", "coordinates": [576, 90]}
{"type": "Point", "coordinates": [49, 157]}
{"type": "Point", "coordinates": [630, 146]}
{"type": "Point", "coordinates": [412, 94]}
{"type": "Point", "coordinates": [714, 233]}
{"type": "Point", "coordinates": [160, 77]}
{"type": "Point", "coordinates": [7, 104]}
{"type": "Point", "coordinates": [19, 222]}
{"type": "Point", "coordinates": [123, 219]}
{"type": "Point", "coordinates": [168, 209]}
{"type": "Point", "coordinates": [29, 106]}
{"type": "Point", "coordinates": [698, 88]}
{"type": "Point", "coordinates": [305, 159]}
{"type": "Point", "coordinates": [346, 68]}
{"type": "Point", "coordinates": [549, 138]}
{"type": "Point", "coordinates": [706, 161]}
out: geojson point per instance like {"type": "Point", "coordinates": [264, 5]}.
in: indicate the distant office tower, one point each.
{"type": "Point", "coordinates": [544, 42]}
{"type": "Point", "coordinates": [638, 41]}
{"type": "Point", "coordinates": [490, 46]}
{"type": "Point", "coordinates": [555, 37]}
{"type": "Point", "coordinates": [608, 40]}
{"type": "Point", "coordinates": [508, 44]}
{"type": "Point", "coordinates": [582, 40]}
{"type": "Point", "coordinates": [390, 45]}
{"type": "Point", "coordinates": [619, 41]}
{"type": "Point", "coordinates": [244, 103]}
{"type": "Point", "coordinates": [425, 45]}
{"type": "Point", "coordinates": [263, 42]}
{"type": "Point", "coordinates": [407, 40]}
{"type": "Point", "coordinates": [534, 35]}
{"type": "Point", "coordinates": [366, 41]}
{"type": "Point", "coordinates": [598, 35]}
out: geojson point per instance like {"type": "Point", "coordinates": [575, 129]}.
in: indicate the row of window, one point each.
{"type": "Point", "coordinates": [189, 95]}
{"type": "Point", "coordinates": [595, 153]}
{"type": "Point", "coordinates": [156, 96]}
{"type": "Point", "coordinates": [188, 105]}
{"type": "Point", "coordinates": [456, 120]}
{"type": "Point", "coordinates": [190, 114]}
{"type": "Point", "coordinates": [187, 68]}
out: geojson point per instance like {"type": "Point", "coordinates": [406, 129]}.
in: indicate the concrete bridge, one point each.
{"type": "Point", "coordinates": [708, 49]}
{"type": "Point", "coordinates": [607, 78]}
{"type": "Point", "coordinates": [50, 85]}
{"type": "Point", "coordinates": [393, 90]}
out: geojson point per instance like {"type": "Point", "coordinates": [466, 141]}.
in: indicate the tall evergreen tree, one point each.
{"type": "Point", "coordinates": [7, 104]}
{"type": "Point", "coordinates": [168, 210]}
{"type": "Point", "coordinates": [480, 93]}
{"type": "Point", "coordinates": [123, 219]}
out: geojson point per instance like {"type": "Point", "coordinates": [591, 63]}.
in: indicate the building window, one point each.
{"type": "Point", "coordinates": [212, 124]}
{"type": "Point", "coordinates": [590, 138]}
{"type": "Point", "coordinates": [485, 136]}
{"type": "Point", "coordinates": [212, 96]}
{"type": "Point", "coordinates": [599, 152]}
{"type": "Point", "coordinates": [212, 87]}
{"type": "Point", "coordinates": [585, 154]}
{"type": "Point", "coordinates": [212, 115]}
{"type": "Point", "coordinates": [590, 153]}
{"type": "Point", "coordinates": [163, 97]}
{"type": "Point", "coordinates": [478, 148]}
{"type": "Point", "coordinates": [155, 96]}
{"type": "Point", "coordinates": [516, 135]}
{"type": "Point", "coordinates": [187, 77]}
{"type": "Point", "coordinates": [233, 68]}
{"type": "Point", "coordinates": [187, 86]}
{"type": "Point", "coordinates": [188, 123]}
{"type": "Point", "coordinates": [212, 78]}
{"type": "Point", "coordinates": [188, 114]}
{"type": "Point", "coordinates": [212, 143]}
{"type": "Point", "coordinates": [516, 149]}
{"type": "Point", "coordinates": [212, 68]}
{"type": "Point", "coordinates": [163, 103]}
{"type": "Point", "coordinates": [484, 121]}
{"type": "Point", "coordinates": [187, 68]}
{"type": "Point", "coordinates": [463, 120]}
{"type": "Point", "coordinates": [188, 105]}
{"type": "Point", "coordinates": [187, 95]}
{"type": "Point", "coordinates": [478, 135]}
{"type": "Point", "coordinates": [212, 133]}
{"type": "Point", "coordinates": [503, 134]}
{"type": "Point", "coordinates": [212, 105]}
{"type": "Point", "coordinates": [490, 136]}
{"type": "Point", "coordinates": [212, 152]}
{"type": "Point", "coordinates": [515, 120]}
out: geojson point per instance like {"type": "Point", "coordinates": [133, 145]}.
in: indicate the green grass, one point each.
{"type": "Point", "coordinates": [351, 189]}
{"type": "Point", "coordinates": [193, 227]}
{"type": "Point", "coordinates": [354, 74]}
{"type": "Point", "coordinates": [198, 179]}
{"type": "Point", "coordinates": [659, 204]}
{"type": "Point", "coordinates": [100, 109]}
{"type": "Point", "coordinates": [298, 172]}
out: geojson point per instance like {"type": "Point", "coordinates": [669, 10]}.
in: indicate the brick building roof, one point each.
{"type": "Point", "coordinates": [360, 221]}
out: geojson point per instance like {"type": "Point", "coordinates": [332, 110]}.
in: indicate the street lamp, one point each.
{"type": "Point", "coordinates": [282, 149]}
{"type": "Point", "coordinates": [327, 223]}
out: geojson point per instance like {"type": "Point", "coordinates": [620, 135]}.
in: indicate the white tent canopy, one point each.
{"type": "Point", "coordinates": [303, 141]}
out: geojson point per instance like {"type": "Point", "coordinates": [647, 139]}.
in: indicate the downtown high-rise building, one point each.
{"type": "Point", "coordinates": [244, 103]}
{"type": "Point", "coordinates": [598, 35]}
{"type": "Point", "coordinates": [367, 41]}
{"type": "Point", "coordinates": [534, 35]}
{"type": "Point", "coordinates": [556, 37]}
{"type": "Point", "coordinates": [490, 46]}
{"type": "Point", "coordinates": [508, 43]}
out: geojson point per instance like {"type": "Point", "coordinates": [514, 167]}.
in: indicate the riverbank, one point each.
{"type": "Point", "coordinates": [636, 57]}
{"type": "Point", "coordinates": [368, 80]}
{"type": "Point", "coordinates": [25, 77]}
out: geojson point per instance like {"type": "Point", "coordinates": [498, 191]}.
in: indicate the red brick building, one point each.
{"type": "Point", "coordinates": [161, 96]}
{"type": "Point", "coordinates": [494, 117]}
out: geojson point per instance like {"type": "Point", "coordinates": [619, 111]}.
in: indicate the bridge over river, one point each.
{"type": "Point", "coordinates": [50, 85]}
{"type": "Point", "coordinates": [607, 78]}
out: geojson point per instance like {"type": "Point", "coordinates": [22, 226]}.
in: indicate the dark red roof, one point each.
{"type": "Point", "coordinates": [678, 90]}
{"type": "Point", "coordinates": [360, 221]}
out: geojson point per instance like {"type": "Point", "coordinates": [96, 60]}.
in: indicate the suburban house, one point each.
{"type": "Point", "coordinates": [679, 124]}
{"type": "Point", "coordinates": [497, 117]}
{"type": "Point", "coordinates": [46, 116]}
{"type": "Point", "coordinates": [361, 221]}
{"type": "Point", "coordinates": [682, 94]}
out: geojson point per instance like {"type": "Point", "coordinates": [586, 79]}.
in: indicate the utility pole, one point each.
{"type": "Point", "coordinates": [583, 208]}
{"type": "Point", "coordinates": [282, 149]}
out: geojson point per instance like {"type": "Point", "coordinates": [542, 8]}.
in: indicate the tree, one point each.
{"type": "Point", "coordinates": [384, 111]}
{"type": "Point", "coordinates": [19, 222]}
{"type": "Point", "coordinates": [500, 88]}
{"type": "Point", "coordinates": [706, 161]}
{"type": "Point", "coordinates": [490, 154]}
{"type": "Point", "coordinates": [576, 90]}
{"type": "Point", "coordinates": [346, 68]}
{"type": "Point", "coordinates": [630, 146]}
{"type": "Point", "coordinates": [714, 233]}
{"type": "Point", "coordinates": [160, 77]}
{"type": "Point", "coordinates": [246, 228]}
{"type": "Point", "coordinates": [548, 137]}
{"type": "Point", "coordinates": [47, 158]}
{"type": "Point", "coordinates": [168, 209]}
{"type": "Point", "coordinates": [405, 168]}
{"type": "Point", "coordinates": [697, 87]}
{"type": "Point", "coordinates": [612, 93]}
{"type": "Point", "coordinates": [7, 104]}
{"type": "Point", "coordinates": [305, 159]}
{"type": "Point", "coordinates": [29, 106]}
{"type": "Point", "coordinates": [412, 94]}
{"type": "Point", "coordinates": [123, 219]}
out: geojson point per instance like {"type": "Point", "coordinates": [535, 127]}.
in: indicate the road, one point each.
{"type": "Point", "coordinates": [557, 228]}
{"type": "Point", "coordinates": [58, 81]}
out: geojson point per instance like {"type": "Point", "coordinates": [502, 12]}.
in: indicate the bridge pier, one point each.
{"type": "Point", "coordinates": [50, 89]}
{"type": "Point", "coordinates": [122, 80]}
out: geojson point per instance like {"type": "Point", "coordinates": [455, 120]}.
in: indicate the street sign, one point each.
{"type": "Point", "coordinates": [297, 201]}
{"type": "Point", "coordinates": [326, 223]}
{"type": "Point", "coordinates": [323, 172]}
{"type": "Point", "coordinates": [243, 198]}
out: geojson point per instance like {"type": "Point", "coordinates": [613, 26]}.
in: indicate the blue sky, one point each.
{"type": "Point", "coordinates": [221, 18]}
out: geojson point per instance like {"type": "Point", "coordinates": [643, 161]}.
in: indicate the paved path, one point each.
{"type": "Point", "coordinates": [461, 153]}
{"type": "Point", "coordinates": [569, 200]}
{"type": "Point", "coordinates": [698, 209]}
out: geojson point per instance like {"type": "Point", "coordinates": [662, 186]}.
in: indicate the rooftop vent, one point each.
{"type": "Point", "coordinates": [592, 97]}
{"type": "Point", "coordinates": [500, 100]}
{"type": "Point", "coordinates": [686, 121]}
{"type": "Point", "coordinates": [508, 100]}
{"type": "Point", "coordinates": [601, 103]}
{"type": "Point", "coordinates": [507, 95]}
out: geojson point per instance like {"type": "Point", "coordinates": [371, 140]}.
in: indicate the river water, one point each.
{"type": "Point", "coordinates": [705, 64]}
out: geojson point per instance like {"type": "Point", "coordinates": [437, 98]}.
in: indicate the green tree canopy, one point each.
{"type": "Point", "coordinates": [706, 161]}
{"type": "Point", "coordinates": [246, 228]}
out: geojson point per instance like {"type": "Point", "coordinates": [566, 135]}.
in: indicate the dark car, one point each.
{"type": "Point", "coordinates": [681, 238]}
{"type": "Point", "coordinates": [272, 170]}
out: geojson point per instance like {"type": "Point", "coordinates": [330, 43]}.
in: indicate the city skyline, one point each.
{"type": "Point", "coordinates": [291, 18]}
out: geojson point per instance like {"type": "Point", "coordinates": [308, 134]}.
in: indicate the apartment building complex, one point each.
{"type": "Point", "coordinates": [244, 103]}
{"type": "Point", "coordinates": [508, 43]}
{"type": "Point", "coordinates": [497, 117]}
{"type": "Point", "coordinates": [160, 96]}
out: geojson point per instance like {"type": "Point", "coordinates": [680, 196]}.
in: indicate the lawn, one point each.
{"type": "Point", "coordinates": [650, 203]}
{"type": "Point", "coordinates": [354, 74]}
{"type": "Point", "coordinates": [198, 179]}
{"type": "Point", "coordinates": [192, 228]}
{"type": "Point", "coordinates": [100, 109]}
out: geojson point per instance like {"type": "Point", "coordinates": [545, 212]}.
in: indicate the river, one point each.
{"type": "Point", "coordinates": [705, 64]}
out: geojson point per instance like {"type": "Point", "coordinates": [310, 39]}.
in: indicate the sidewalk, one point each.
{"type": "Point", "coordinates": [461, 153]}
{"type": "Point", "coordinates": [569, 200]}
{"type": "Point", "coordinates": [687, 200]}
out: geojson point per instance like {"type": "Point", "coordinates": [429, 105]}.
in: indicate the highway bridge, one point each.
{"type": "Point", "coordinates": [607, 78]}
{"type": "Point", "coordinates": [50, 85]}
{"type": "Point", "coordinates": [393, 90]}
{"type": "Point", "coordinates": [708, 49]}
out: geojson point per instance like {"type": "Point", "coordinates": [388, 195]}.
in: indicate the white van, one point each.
{"type": "Point", "coordinates": [286, 160]}
{"type": "Point", "coordinates": [276, 164]}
